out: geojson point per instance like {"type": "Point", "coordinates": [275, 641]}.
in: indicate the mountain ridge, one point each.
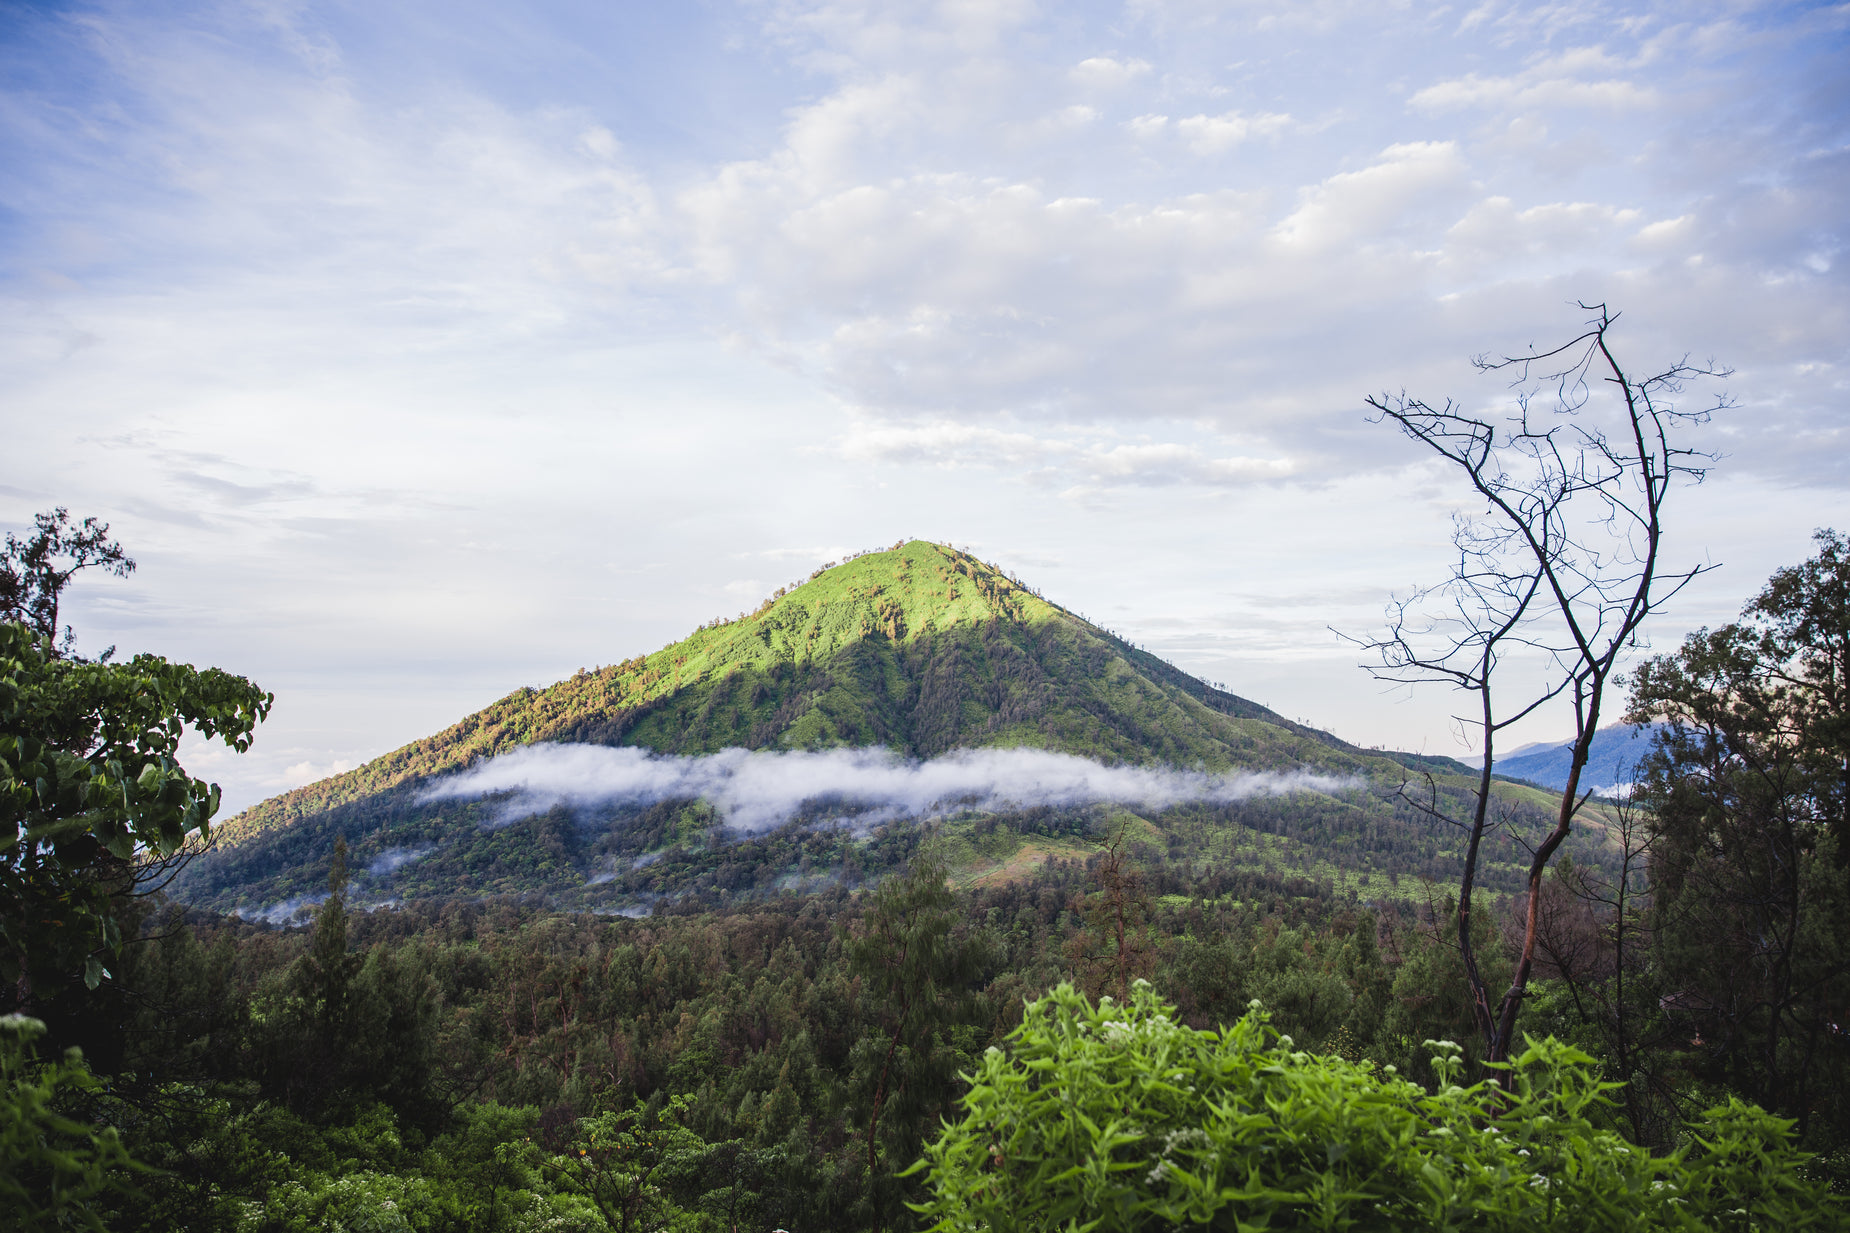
{"type": "Point", "coordinates": [920, 649]}
{"type": "Point", "coordinates": [631, 691]}
{"type": "Point", "coordinates": [1612, 759]}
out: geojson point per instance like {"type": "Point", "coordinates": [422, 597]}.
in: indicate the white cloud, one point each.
{"type": "Point", "coordinates": [1666, 232]}
{"type": "Point", "coordinates": [1079, 466]}
{"type": "Point", "coordinates": [1581, 77]}
{"type": "Point", "coordinates": [386, 361]}
{"type": "Point", "coordinates": [755, 791]}
{"type": "Point", "coordinates": [1217, 134]}
{"type": "Point", "coordinates": [391, 860]}
{"type": "Point", "coordinates": [306, 772]}
{"type": "Point", "coordinates": [1496, 232]}
{"type": "Point", "coordinates": [1105, 73]}
{"type": "Point", "coordinates": [947, 443]}
{"type": "Point", "coordinates": [1472, 91]}
{"type": "Point", "coordinates": [1354, 207]}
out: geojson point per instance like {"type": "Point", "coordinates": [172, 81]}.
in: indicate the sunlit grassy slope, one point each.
{"type": "Point", "coordinates": [920, 648]}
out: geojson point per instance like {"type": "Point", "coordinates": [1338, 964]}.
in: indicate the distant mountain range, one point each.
{"type": "Point", "coordinates": [920, 654]}
{"type": "Point", "coordinates": [1611, 759]}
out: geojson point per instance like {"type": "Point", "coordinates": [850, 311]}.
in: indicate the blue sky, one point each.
{"type": "Point", "coordinates": [421, 351]}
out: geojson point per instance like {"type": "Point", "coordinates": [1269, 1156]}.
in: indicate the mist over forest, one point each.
{"type": "Point", "coordinates": [1363, 741]}
{"type": "Point", "coordinates": [731, 934]}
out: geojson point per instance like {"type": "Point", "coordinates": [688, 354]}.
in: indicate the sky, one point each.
{"type": "Point", "coordinates": [418, 352]}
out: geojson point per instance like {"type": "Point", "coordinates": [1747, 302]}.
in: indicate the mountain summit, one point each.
{"type": "Point", "coordinates": [921, 649]}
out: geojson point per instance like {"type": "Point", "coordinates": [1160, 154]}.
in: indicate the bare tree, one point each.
{"type": "Point", "coordinates": [1559, 568]}
{"type": "Point", "coordinates": [1594, 935]}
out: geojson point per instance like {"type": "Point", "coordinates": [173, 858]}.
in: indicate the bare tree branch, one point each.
{"type": "Point", "coordinates": [1560, 568]}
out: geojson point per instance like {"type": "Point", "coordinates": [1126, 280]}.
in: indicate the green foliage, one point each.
{"type": "Point", "coordinates": [1747, 795]}
{"type": "Point", "coordinates": [615, 1160]}
{"type": "Point", "coordinates": [1114, 1117]}
{"type": "Point", "coordinates": [921, 649]}
{"type": "Point", "coordinates": [1429, 998]}
{"type": "Point", "coordinates": [52, 1166]}
{"type": "Point", "coordinates": [35, 571]}
{"type": "Point", "coordinates": [88, 780]}
{"type": "Point", "coordinates": [529, 1028]}
{"type": "Point", "coordinates": [917, 971]}
{"type": "Point", "coordinates": [340, 1027]}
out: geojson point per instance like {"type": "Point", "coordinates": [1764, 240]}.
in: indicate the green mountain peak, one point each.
{"type": "Point", "coordinates": [921, 649]}
{"type": "Point", "coordinates": [887, 648]}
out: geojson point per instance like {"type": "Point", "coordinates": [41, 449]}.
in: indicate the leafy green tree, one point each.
{"type": "Point", "coordinates": [1430, 997]}
{"type": "Point", "coordinates": [309, 1031]}
{"type": "Point", "coordinates": [1115, 1117]}
{"type": "Point", "coordinates": [52, 1166]}
{"type": "Point", "coordinates": [616, 1160]}
{"type": "Point", "coordinates": [918, 971]}
{"type": "Point", "coordinates": [341, 1028]}
{"type": "Point", "coordinates": [91, 790]}
{"type": "Point", "coordinates": [34, 571]}
{"type": "Point", "coordinates": [1746, 792]}
{"type": "Point", "coordinates": [1114, 948]}
{"type": "Point", "coordinates": [1371, 985]}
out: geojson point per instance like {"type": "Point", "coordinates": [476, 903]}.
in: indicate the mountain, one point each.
{"type": "Point", "coordinates": [1615, 751]}
{"type": "Point", "coordinates": [920, 649]}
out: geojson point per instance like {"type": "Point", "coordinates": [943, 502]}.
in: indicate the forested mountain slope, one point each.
{"type": "Point", "coordinates": [921, 649]}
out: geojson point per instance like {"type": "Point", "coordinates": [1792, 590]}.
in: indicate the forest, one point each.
{"type": "Point", "coordinates": [875, 1049]}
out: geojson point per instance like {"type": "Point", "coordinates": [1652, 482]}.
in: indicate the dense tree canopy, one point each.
{"type": "Point", "coordinates": [1746, 796]}
{"type": "Point", "coordinates": [805, 1010]}
{"type": "Point", "coordinates": [89, 785]}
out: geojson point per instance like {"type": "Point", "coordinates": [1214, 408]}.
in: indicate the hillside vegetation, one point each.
{"type": "Point", "coordinates": [921, 649]}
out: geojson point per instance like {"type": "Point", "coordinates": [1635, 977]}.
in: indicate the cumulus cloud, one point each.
{"type": "Point", "coordinates": [940, 229]}
{"type": "Point", "coordinates": [1354, 206]}
{"type": "Point", "coordinates": [1214, 134]}
{"type": "Point", "coordinates": [757, 790]}
{"type": "Point", "coordinates": [1073, 462]}
{"type": "Point", "coordinates": [306, 772]}
{"type": "Point", "coordinates": [1474, 91]}
{"type": "Point", "coordinates": [1106, 73]}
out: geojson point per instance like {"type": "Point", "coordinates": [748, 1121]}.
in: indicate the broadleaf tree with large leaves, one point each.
{"type": "Point", "coordinates": [92, 794]}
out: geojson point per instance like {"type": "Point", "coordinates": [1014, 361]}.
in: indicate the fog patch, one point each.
{"type": "Point", "coordinates": [756, 791]}
{"type": "Point", "coordinates": [289, 912]}
{"type": "Point", "coordinates": [393, 859]}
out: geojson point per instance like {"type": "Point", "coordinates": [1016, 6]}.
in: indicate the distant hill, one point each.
{"type": "Point", "coordinates": [1616, 750]}
{"type": "Point", "coordinates": [920, 649]}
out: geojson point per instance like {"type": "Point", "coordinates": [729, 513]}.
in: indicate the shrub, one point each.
{"type": "Point", "coordinates": [52, 1166]}
{"type": "Point", "coordinates": [1114, 1117]}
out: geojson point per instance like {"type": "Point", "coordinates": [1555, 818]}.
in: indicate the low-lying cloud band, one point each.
{"type": "Point", "coordinates": [758, 790]}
